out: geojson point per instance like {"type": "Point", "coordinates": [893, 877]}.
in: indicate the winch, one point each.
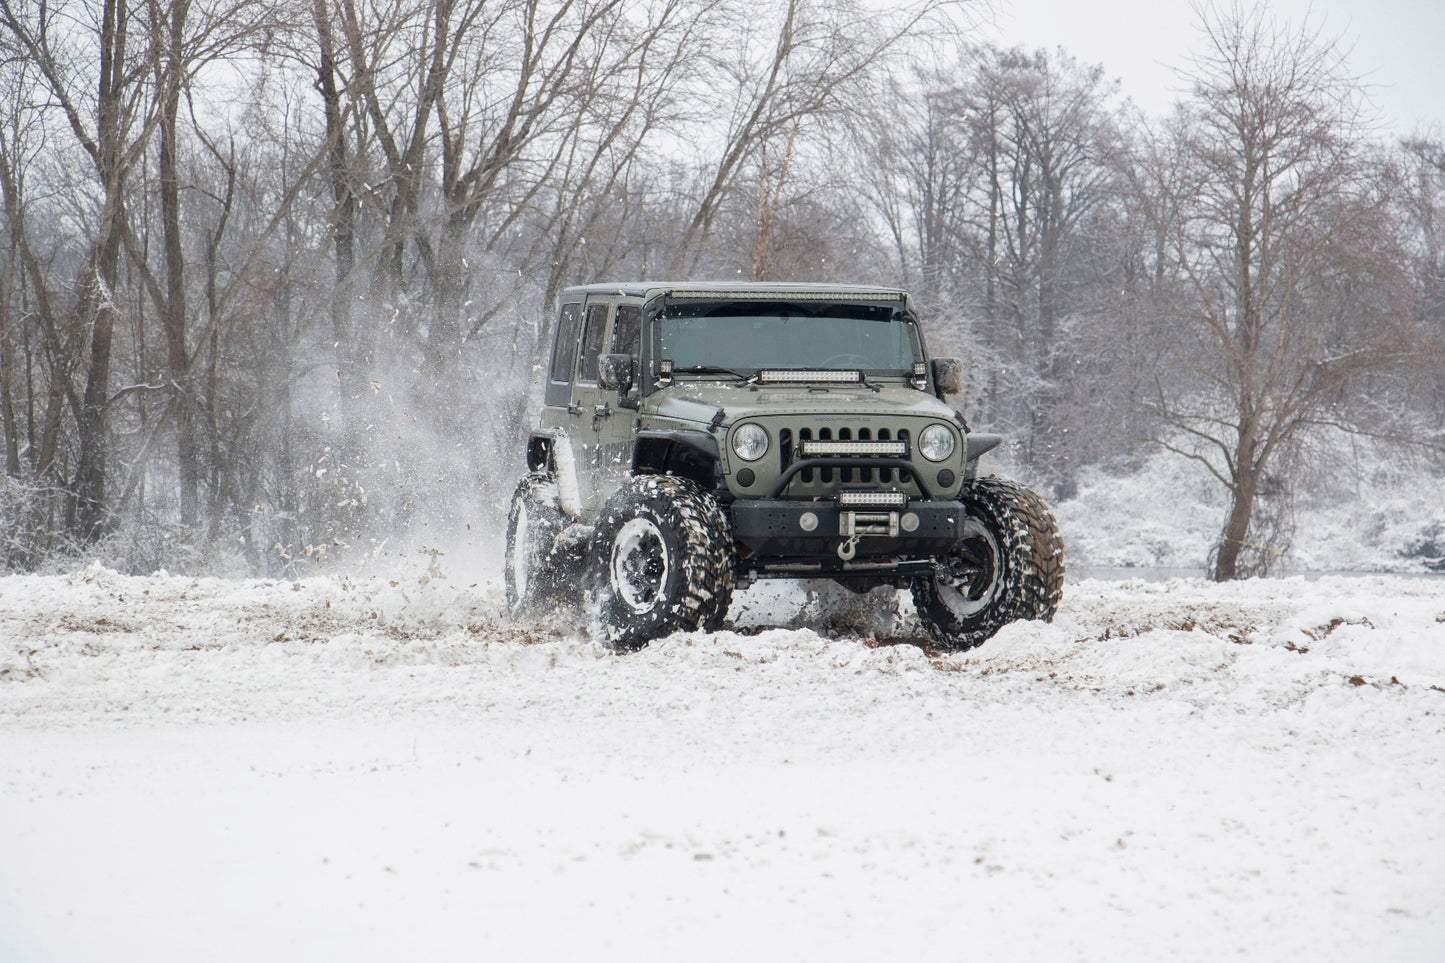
{"type": "Point", "coordinates": [853, 526]}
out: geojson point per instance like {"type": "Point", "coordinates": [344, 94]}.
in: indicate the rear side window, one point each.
{"type": "Point", "coordinates": [564, 358]}
{"type": "Point", "coordinates": [592, 341]}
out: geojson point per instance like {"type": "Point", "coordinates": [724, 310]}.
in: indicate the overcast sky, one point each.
{"type": "Point", "coordinates": [1398, 46]}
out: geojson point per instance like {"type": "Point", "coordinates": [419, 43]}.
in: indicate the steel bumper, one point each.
{"type": "Point", "coordinates": [780, 528]}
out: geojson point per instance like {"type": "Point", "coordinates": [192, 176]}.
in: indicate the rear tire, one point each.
{"type": "Point", "coordinates": [661, 561]}
{"type": "Point", "coordinates": [1007, 568]}
{"type": "Point", "coordinates": [532, 575]}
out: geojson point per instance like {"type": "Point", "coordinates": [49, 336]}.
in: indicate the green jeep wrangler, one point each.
{"type": "Point", "coordinates": [695, 437]}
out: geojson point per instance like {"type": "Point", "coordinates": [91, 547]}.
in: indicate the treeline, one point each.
{"type": "Point", "coordinates": [275, 274]}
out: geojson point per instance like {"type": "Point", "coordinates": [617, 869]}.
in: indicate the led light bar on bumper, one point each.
{"type": "Point", "coordinates": [852, 499]}
{"type": "Point", "coordinates": [892, 449]}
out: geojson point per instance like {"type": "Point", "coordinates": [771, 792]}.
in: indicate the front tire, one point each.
{"type": "Point", "coordinates": [662, 561]}
{"type": "Point", "coordinates": [1008, 567]}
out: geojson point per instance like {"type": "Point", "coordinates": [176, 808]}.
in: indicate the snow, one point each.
{"type": "Point", "coordinates": [1371, 512]}
{"type": "Point", "coordinates": [382, 768]}
{"type": "Point", "coordinates": [566, 459]}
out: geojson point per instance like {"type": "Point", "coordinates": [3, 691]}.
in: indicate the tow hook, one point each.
{"type": "Point", "coordinates": [848, 547]}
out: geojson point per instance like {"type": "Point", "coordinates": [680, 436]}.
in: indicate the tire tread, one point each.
{"type": "Point", "coordinates": [1034, 568]}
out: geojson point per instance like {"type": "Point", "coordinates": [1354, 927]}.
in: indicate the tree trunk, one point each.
{"type": "Point", "coordinates": [351, 353]}
{"type": "Point", "coordinates": [88, 514]}
{"type": "Point", "coordinates": [444, 334]}
{"type": "Point", "coordinates": [7, 372]}
{"type": "Point", "coordinates": [174, 311]}
{"type": "Point", "coordinates": [98, 302]}
{"type": "Point", "coordinates": [1234, 539]}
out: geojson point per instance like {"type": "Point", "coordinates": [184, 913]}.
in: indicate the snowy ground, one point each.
{"type": "Point", "coordinates": [379, 770]}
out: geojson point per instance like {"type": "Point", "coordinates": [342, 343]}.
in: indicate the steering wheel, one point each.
{"type": "Point", "coordinates": [845, 361]}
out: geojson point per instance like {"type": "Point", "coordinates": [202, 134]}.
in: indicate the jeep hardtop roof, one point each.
{"type": "Point", "coordinates": [748, 290]}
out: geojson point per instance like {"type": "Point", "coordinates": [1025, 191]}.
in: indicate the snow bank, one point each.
{"type": "Point", "coordinates": [1371, 515]}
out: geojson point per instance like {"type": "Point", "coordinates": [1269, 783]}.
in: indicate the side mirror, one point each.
{"type": "Point", "coordinates": [947, 376]}
{"type": "Point", "coordinates": [614, 372]}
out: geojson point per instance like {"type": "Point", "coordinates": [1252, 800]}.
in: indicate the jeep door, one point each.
{"type": "Point", "coordinates": [557, 404]}
{"type": "Point", "coordinates": [600, 427]}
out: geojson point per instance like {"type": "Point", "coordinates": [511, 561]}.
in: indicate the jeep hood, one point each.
{"type": "Point", "coordinates": [709, 403]}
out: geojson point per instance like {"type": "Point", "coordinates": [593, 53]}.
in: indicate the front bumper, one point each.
{"type": "Point", "coordinates": [780, 530]}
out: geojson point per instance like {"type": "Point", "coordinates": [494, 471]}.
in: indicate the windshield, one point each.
{"type": "Point", "coordinates": [744, 336]}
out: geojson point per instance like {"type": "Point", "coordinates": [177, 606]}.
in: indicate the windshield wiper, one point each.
{"type": "Point", "coordinates": [712, 369]}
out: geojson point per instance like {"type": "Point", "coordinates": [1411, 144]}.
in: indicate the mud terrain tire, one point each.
{"type": "Point", "coordinates": [531, 572]}
{"type": "Point", "coordinates": [1010, 567]}
{"type": "Point", "coordinates": [661, 562]}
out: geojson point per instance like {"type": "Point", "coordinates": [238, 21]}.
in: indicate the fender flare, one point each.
{"type": "Point", "coordinates": [688, 454]}
{"type": "Point", "coordinates": [549, 451]}
{"type": "Point", "coordinates": [976, 443]}
{"type": "Point", "coordinates": [541, 452]}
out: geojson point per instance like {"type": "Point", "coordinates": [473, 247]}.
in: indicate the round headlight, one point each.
{"type": "Point", "coordinates": [750, 442]}
{"type": "Point", "coordinates": [936, 443]}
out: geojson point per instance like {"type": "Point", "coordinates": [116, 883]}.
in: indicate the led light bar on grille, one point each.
{"type": "Point", "coordinates": [895, 449]}
{"type": "Point", "coordinates": [778, 374]}
{"type": "Point", "coordinates": [847, 499]}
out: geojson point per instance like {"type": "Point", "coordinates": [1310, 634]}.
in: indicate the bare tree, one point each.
{"type": "Point", "coordinates": [186, 36]}
{"type": "Point", "coordinates": [483, 106]}
{"type": "Point", "coordinates": [112, 122]}
{"type": "Point", "coordinates": [990, 175]}
{"type": "Point", "coordinates": [1285, 273]}
{"type": "Point", "coordinates": [1047, 123]}
{"type": "Point", "coordinates": [793, 66]}
{"type": "Point", "coordinates": [1422, 176]}
{"type": "Point", "coordinates": [920, 171]}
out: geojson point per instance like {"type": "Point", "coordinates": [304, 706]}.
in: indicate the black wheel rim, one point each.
{"type": "Point", "coordinates": [974, 573]}
{"type": "Point", "coordinates": [639, 565]}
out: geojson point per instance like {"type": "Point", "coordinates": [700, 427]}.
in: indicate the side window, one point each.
{"type": "Point", "coordinates": [592, 341]}
{"type": "Point", "coordinates": [627, 330]}
{"type": "Point", "coordinates": [564, 355]}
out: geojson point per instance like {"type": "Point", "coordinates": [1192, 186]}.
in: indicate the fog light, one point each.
{"type": "Point", "coordinates": [808, 521]}
{"type": "Point", "coordinates": [909, 522]}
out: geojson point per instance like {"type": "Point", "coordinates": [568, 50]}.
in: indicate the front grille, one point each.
{"type": "Point", "coordinates": [815, 482]}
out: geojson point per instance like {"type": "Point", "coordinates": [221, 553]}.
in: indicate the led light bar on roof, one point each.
{"type": "Point", "coordinates": [896, 449]}
{"type": "Point", "coordinates": [775, 375]}
{"type": "Point", "coordinates": [783, 294]}
{"type": "Point", "coordinates": [847, 499]}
